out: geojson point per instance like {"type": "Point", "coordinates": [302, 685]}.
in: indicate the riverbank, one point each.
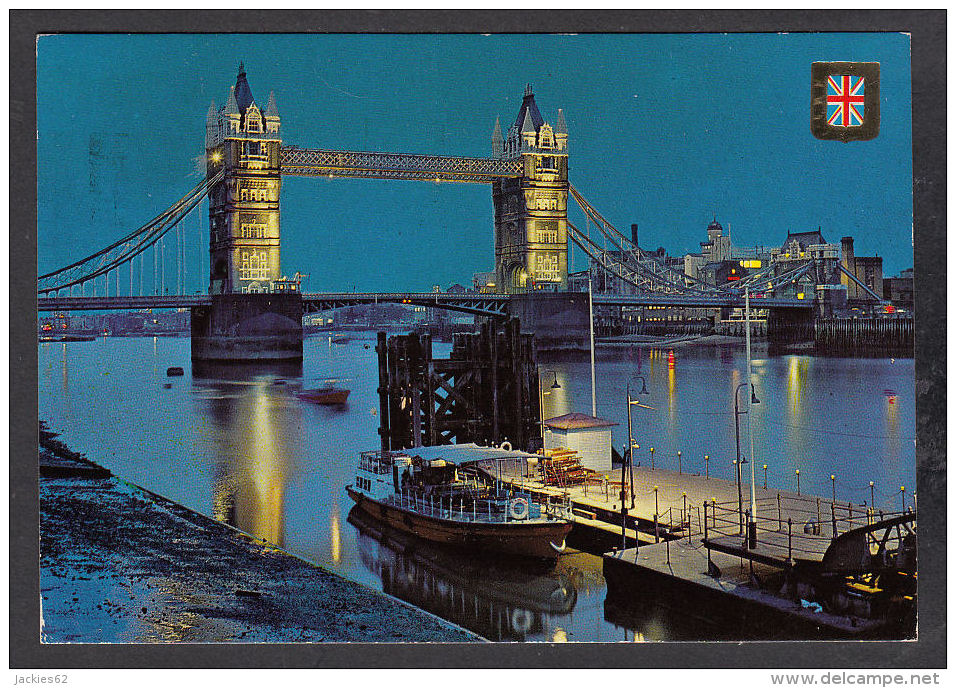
{"type": "Point", "coordinates": [650, 341]}
{"type": "Point", "coordinates": [121, 564]}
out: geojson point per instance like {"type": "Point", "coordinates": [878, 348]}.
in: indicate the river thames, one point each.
{"type": "Point", "coordinates": [240, 446]}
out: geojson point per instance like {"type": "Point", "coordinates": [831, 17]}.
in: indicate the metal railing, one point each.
{"type": "Point", "coordinates": [811, 523]}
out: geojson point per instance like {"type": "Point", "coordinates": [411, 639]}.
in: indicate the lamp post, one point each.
{"type": "Point", "coordinates": [629, 459]}
{"type": "Point", "coordinates": [740, 497]}
{"type": "Point", "coordinates": [798, 480]}
{"type": "Point", "coordinates": [652, 458]}
{"type": "Point", "coordinates": [737, 413]}
{"type": "Point", "coordinates": [541, 393]}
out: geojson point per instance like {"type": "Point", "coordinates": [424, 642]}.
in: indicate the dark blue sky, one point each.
{"type": "Point", "coordinates": [664, 131]}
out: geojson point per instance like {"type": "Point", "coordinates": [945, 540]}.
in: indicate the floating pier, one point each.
{"type": "Point", "coordinates": [806, 567]}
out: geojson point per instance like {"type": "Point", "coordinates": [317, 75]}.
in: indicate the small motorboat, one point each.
{"type": "Point", "coordinates": [327, 395]}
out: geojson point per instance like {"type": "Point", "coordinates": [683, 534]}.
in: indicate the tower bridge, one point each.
{"type": "Point", "coordinates": [248, 299]}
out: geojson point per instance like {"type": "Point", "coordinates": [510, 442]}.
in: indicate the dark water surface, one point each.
{"type": "Point", "coordinates": [234, 444]}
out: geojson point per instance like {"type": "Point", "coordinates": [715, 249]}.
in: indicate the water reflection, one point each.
{"type": "Point", "coordinates": [232, 443]}
{"type": "Point", "coordinates": [500, 599]}
{"type": "Point", "coordinates": [254, 423]}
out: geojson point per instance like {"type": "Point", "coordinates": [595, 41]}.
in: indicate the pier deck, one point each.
{"type": "Point", "coordinates": [679, 571]}
{"type": "Point", "coordinates": [677, 500]}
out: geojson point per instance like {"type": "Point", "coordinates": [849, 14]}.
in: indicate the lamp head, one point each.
{"type": "Point", "coordinates": [555, 385]}
{"type": "Point", "coordinates": [753, 395]}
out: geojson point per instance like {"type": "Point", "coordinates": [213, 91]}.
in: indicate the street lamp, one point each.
{"type": "Point", "coordinates": [752, 535]}
{"type": "Point", "coordinates": [629, 459]}
{"type": "Point", "coordinates": [541, 394]}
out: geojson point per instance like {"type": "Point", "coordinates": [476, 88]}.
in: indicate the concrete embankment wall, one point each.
{"type": "Point", "coordinates": [121, 564]}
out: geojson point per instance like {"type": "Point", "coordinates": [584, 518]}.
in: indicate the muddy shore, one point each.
{"type": "Point", "coordinates": [121, 564]}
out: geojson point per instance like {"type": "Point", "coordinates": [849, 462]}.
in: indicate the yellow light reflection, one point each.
{"type": "Point", "coordinates": [638, 637]}
{"type": "Point", "coordinates": [335, 533]}
{"type": "Point", "coordinates": [671, 391]}
{"type": "Point", "coordinates": [796, 374]}
{"type": "Point", "coordinates": [266, 475]}
{"type": "Point", "coordinates": [559, 636]}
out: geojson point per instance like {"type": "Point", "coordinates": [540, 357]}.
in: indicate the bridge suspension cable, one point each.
{"type": "Point", "coordinates": [125, 249]}
{"type": "Point", "coordinates": [630, 260]}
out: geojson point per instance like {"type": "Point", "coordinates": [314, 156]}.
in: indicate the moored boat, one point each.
{"type": "Point", "coordinates": [328, 397]}
{"type": "Point", "coordinates": [421, 492]}
{"type": "Point", "coordinates": [328, 394]}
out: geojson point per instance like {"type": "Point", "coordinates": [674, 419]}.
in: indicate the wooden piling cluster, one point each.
{"type": "Point", "coordinates": [485, 392]}
{"type": "Point", "coordinates": [891, 335]}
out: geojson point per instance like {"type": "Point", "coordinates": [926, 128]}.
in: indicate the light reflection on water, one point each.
{"type": "Point", "coordinates": [239, 445]}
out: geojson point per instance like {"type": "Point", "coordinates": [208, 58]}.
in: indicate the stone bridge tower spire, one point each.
{"type": "Point", "coordinates": [243, 141]}
{"type": "Point", "coordinates": [531, 213]}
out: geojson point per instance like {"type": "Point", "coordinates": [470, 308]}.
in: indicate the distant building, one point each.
{"type": "Point", "coordinates": [485, 282]}
{"type": "Point", "coordinates": [899, 290]}
{"type": "Point", "coordinates": [713, 252]}
{"type": "Point", "coordinates": [867, 269]}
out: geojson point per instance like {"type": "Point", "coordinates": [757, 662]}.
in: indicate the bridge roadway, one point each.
{"type": "Point", "coordinates": [479, 304]}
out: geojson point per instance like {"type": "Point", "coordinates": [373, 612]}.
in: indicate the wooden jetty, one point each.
{"type": "Point", "coordinates": [668, 504]}
{"type": "Point", "coordinates": [675, 573]}
{"type": "Point", "coordinates": [807, 567]}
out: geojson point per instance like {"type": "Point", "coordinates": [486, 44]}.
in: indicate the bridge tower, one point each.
{"type": "Point", "coordinates": [255, 315]}
{"type": "Point", "coordinates": [531, 212]}
{"type": "Point", "coordinates": [243, 141]}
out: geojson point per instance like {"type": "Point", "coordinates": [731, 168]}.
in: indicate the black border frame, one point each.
{"type": "Point", "coordinates": [927, 29]}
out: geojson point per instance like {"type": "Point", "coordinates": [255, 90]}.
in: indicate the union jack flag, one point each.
{"type": "Point", "coordinates": [845, 101]}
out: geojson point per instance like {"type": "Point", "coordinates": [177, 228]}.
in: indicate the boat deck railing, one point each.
{"type": "Point", "coordinates": [377, 462]}
{"type": "Point", "coordinates": [476, 510]}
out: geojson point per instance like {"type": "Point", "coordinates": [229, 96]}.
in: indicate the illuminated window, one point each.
{"type": "Point", "coordinates": [546, 267]}
{"type": "Point", "coordinates": [547, 232]}
{"type": "Point", "coordinates": [253, 231]}
{"type": "Point", "coordinates": [254, 265]}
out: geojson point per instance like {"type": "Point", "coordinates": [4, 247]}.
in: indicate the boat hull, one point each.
{"type": "Point", "coordinates": [332, 397]}
{"type": "Point", "coordinates": [541, 540]}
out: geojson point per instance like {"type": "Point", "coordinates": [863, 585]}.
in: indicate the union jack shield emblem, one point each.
{"type": "Point", "coordinates": [845, 100]}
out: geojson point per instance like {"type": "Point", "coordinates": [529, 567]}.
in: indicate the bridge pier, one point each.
{"type": "Point", "coordinates": [789, 325]}
{"type": "Point", "coordinates": [558, 320]}
{"type": "Point", "coordinates": [248, 327]}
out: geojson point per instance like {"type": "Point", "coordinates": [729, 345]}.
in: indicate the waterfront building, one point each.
{"type": "Point", "coordinates": [899, 290]}
{"type": "Point", "coordinates": [590, 437]}
{"type": "Point", "coordinates": [867, 269]}
{"type": "Point", "coordinates": [531, 212]}
{"type": "Point", "coordinates": [242, 140]}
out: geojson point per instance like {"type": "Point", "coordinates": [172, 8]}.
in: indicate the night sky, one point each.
{"type": "Point", "coordinates": [664, 131]}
